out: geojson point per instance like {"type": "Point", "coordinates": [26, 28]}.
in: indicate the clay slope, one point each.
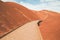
{"type": "Point", "coordinates": [50, 26]}
{"type": "Point", "coordinates": [12, 16]}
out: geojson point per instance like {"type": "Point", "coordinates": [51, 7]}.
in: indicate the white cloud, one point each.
{"type": "Point", "coordinates": [50, 0]}
{"type": "Point", "coordinates": [47, 0]}
{"type": "Point", "coordinates": [54, 6]}
{"type": "Point", "coordinates": [8, 0]}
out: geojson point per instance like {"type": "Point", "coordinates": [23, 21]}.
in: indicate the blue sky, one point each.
{"type": "Point", "coordinates": [53, 5]}
{"type": "Point", "coordinates": [34, 2]}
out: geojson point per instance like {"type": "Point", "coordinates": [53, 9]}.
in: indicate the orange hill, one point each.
{"type": "Point", "coordinates": [12, 16]}
{"type": "Point", "coordinates": [50, 26]}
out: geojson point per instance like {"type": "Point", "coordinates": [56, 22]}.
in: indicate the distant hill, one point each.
{"type": "Point", "coordinates": [50, 26]}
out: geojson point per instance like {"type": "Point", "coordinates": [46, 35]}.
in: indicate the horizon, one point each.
{"type": "Point", "coordinates": [53, 5]}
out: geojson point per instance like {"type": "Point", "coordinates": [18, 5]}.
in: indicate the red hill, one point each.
{"type": "Point", "coordinates": [13, 15]}
{"type": "Point", "coordinates": [50, 26]}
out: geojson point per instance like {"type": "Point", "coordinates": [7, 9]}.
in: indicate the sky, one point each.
{"type": "Point", "coordinates": [53, 5]}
